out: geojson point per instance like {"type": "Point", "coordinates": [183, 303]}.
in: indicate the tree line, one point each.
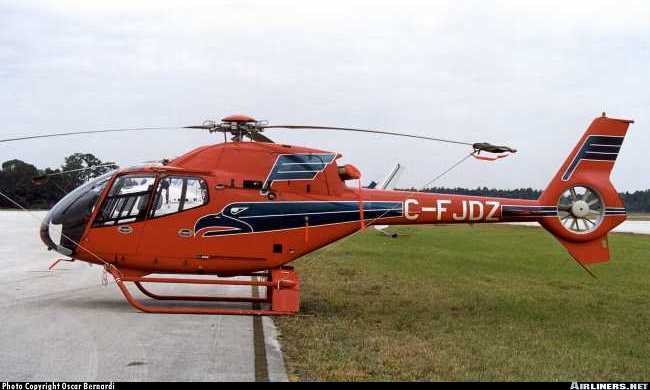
{"type": "Point", "coordinates": [25, 183]}
{"type": "Point", "coordinates": [35, 188]}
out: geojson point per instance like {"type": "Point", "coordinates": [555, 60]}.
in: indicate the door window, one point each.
{"type": "Point", "coordinates": [126, 201]}
{"type": "Point", "coordinates": [179, 193]}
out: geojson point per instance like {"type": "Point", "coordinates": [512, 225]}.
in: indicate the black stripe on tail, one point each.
{"type": "Point", "coordinates": [595, 148]}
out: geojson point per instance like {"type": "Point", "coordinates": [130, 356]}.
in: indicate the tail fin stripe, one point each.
{"type": "Point", "coordinates": [612, 140]}
{"type": "Point", "coordinates": [595, 148]}
{"type": "Point", "coordinates": [605, 148]}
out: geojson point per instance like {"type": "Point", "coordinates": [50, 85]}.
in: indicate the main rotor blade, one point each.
{"type": "Point", "coordinates": [202, 127]}
{"type": "Point", "coordinates": [88, 132]}
{"type": "Point", "coordinates": [305, 127]}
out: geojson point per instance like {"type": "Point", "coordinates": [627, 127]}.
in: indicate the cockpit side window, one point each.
{"type": "Point", "coordinates": [127, 200]}
{"type": "Point", "coordinates": [179, 193]}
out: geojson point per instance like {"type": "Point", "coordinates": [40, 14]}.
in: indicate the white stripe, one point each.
{"type": "Point", "coordinates": [601, 152]}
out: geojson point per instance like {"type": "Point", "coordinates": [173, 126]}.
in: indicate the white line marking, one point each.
{"type": "Point", "coordinates": [601, 152]}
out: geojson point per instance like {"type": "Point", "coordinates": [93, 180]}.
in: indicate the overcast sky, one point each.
{"type": "Point", "coordinates": [527, 74]}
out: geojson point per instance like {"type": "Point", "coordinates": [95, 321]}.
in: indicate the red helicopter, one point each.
{"type": "Point", "coordinates": [251, 207]}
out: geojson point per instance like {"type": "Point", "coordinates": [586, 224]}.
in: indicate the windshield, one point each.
{"type": "Point", "coordinates": [87, 191]}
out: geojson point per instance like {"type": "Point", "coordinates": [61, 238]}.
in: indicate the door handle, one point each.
{"type": "Point", "coordinates": [185, 233]}
{"type": "Point", "coordinates": [125, 229]}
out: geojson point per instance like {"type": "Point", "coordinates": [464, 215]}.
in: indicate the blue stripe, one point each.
{"type": "Point", "coordinates": [599, 156]}
{"type": "Point", "coordinates": [604, 149]}
{"type": "Point", "coordinates": [606, 140]}
{"type": "Point", "coordinates": [296, 167]}
{"type": "Point", "coordinates": [596, 147]}
{"type": "Point", "coordinates": [269, 216]}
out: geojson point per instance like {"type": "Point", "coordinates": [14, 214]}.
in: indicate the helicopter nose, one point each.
{"type": "Point", "coordinates": [48, 230]}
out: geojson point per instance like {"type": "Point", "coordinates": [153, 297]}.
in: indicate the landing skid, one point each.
{"type": "Point", "coordinates": [282, 295]}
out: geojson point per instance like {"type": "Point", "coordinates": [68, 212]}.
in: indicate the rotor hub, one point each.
{"type": "Point", "coordinates": [580, 208]}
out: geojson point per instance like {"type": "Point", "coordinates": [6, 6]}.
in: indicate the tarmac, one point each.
{"type": "Point", "coordinates": [65, 325]}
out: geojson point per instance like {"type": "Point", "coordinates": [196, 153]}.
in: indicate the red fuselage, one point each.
{"type": "Point", "coordinates": [239, 207]}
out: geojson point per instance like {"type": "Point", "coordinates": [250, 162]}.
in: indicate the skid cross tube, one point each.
{"type": "Point", "coordinates": [121, 280]}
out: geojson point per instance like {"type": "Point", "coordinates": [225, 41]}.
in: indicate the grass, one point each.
{"type": "Point", "coordinates": [639, 217]}
{"type": "Point", "coordinates": [469, 303]}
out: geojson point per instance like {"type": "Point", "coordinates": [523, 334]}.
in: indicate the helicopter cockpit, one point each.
{"type": "Point", "coordinates": [127, 201]}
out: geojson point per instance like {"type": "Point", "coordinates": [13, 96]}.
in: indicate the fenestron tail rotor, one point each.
{"type": "Point", "coordinates": [580, 209]}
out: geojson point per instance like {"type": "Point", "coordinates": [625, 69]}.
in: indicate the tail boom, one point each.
{"type": "Point", "coordinates": [579, 206]}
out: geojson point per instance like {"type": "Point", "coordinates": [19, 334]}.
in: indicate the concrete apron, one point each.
{"type": "Point", "coordinates": [64, 325]}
